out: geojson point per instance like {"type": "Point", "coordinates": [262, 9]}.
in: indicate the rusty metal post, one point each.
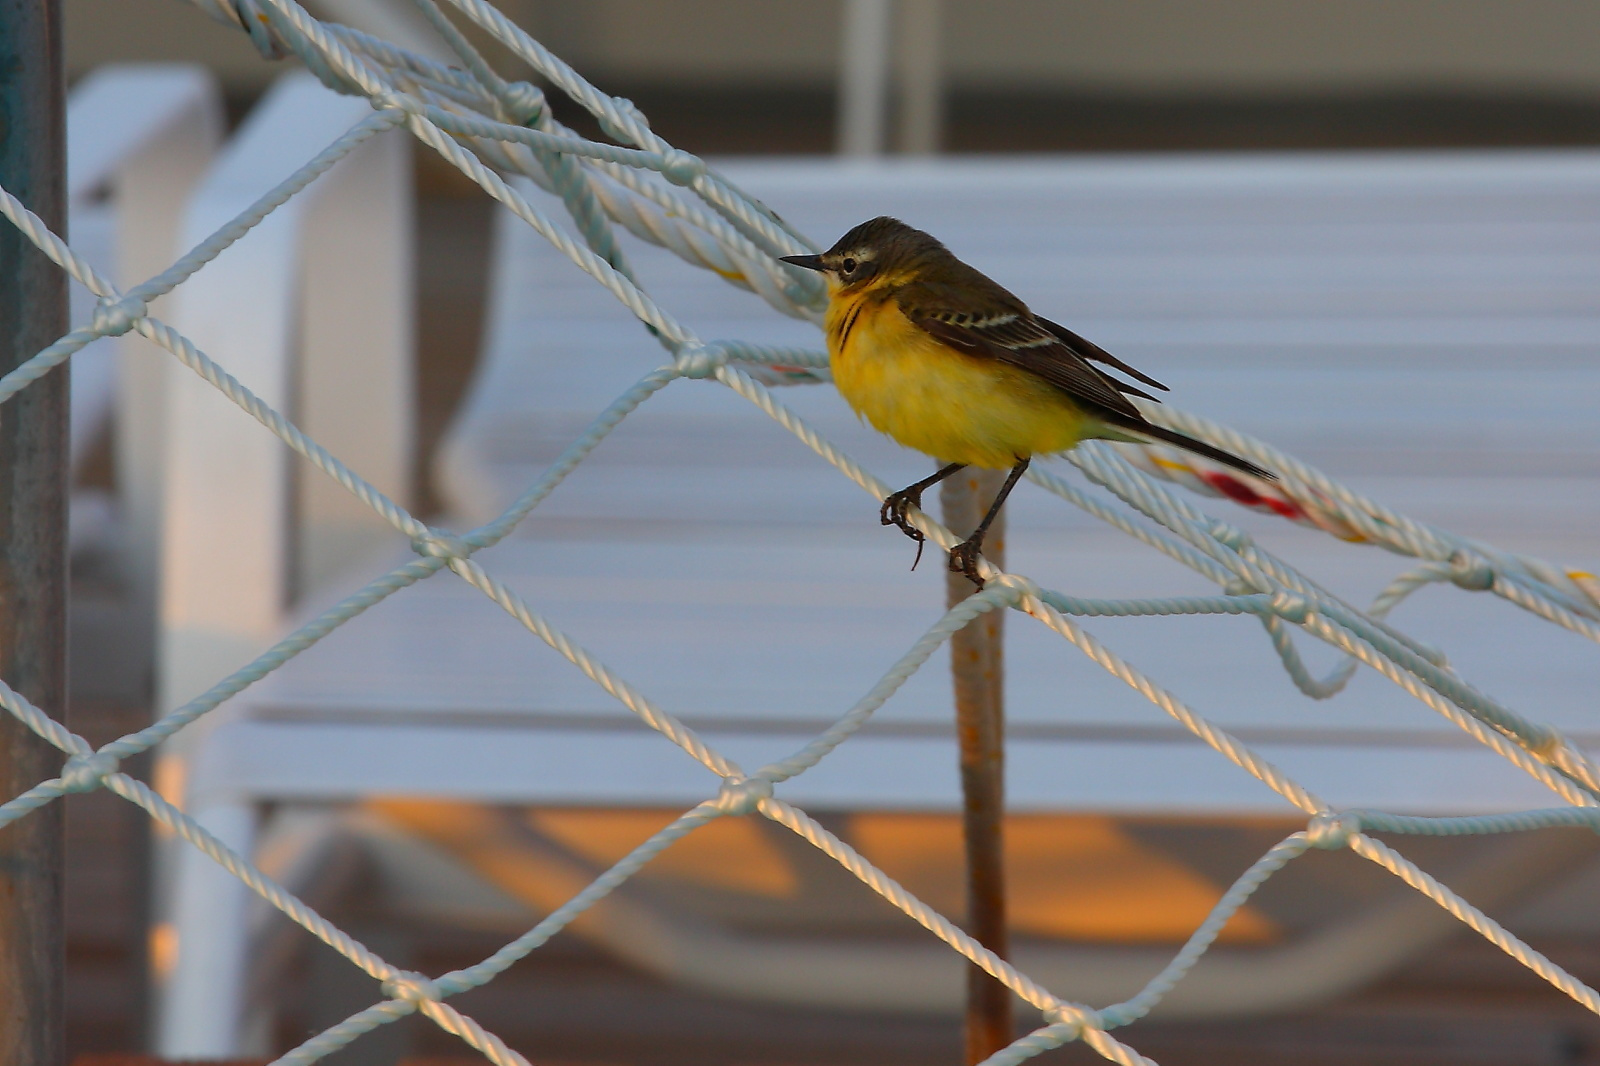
{"type": "Point", "coordinates": [33, 518]}
{"type": "Point", "coordinates": [977, 664]}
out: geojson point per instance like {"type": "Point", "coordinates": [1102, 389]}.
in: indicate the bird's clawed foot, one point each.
{"type": "Point", "coordinates": [964, 560]}
{"type": "Point", "coordinates": [896, 512]}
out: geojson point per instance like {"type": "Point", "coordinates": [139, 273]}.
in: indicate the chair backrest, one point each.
{"type": "Point", "coordinates": [312, 312]}
{"type": "Point", "coordinates": [138, 138]}
{"type": "Point", "coordinates": [1421, 326]}
{"type": "Point", "coordinates": [1384, 316]}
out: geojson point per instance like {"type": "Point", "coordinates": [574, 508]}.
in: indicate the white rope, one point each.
{"type": "Point", "coordinates": [490, 128]}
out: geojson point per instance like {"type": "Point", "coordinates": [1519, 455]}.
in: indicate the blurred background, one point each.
{"type": "Point", "coordinates": [1034, 75]}
{"type": "Point", "coordinates": [764, 77]}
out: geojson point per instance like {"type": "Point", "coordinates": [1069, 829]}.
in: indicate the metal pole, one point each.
{"type": "Point", "coordinates": [33, 517]}
{"type": "Point", "coordinates": [864, 77]}
{"type": "Point", "coordinates": [977, 664]}
{"type": "Point", "coordinates": [920, 74]}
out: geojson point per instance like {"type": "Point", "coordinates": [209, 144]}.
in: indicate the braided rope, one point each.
{"type": "Point", "coordinates": [488, 127]}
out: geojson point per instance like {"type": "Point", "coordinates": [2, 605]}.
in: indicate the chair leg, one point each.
{"type": "Point", "coordinates": [201, 998]}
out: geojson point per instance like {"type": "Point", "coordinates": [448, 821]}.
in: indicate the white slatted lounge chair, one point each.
{"type": "Point", "coordinates": [1423, 327]}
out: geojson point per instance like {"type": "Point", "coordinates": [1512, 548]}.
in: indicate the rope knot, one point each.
{"type": "Point", "coordinates": [1021, 587]}
{"type": "Point", "coordinates": [631, 109]}
{"type": "Point", "coordinates": [1232, 536]}
{"type": "Point", "coordinates": [523, 103]}
{"type": "Point", "coordinates": [1075, 1015]}
{"type": "Point", "coordinates": [113, 318]}
{"type": "Point", "coordinates": [680, 167]}
{"type": "Point", "coordinates": [700, 360]}
{"type": "Point", "coordinates": [1470, 571]}
{"type": "Point", "coordinates": [742, 795]}
{"type": "Point", "coordinates": [413, 988]}
{"type": "Point", "coordinates": [85, 773]}
{"type": "Point", "coordinates": [440, 544]}
{"type": "Point", "coordinates": [1291, 606]}
{"type": "Point", "coordinates": [630, 113]}
{"type": "Point", "coordinates": [390, 100]}
{"type": "Point", "coordinates": [1331, 830]}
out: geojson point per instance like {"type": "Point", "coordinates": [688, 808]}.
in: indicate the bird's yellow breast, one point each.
{"type": "Point", "coordinates": [928, 396]}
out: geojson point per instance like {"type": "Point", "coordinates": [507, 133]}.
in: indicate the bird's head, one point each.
{"type": "Point", "coordinates": [877, 251]}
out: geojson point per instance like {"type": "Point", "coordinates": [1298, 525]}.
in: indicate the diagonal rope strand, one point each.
{"type": "Point", "coordinates": [492, 129]}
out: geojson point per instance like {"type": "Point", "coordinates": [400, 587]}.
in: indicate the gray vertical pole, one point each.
{"type": "Point", "coordinates": [33, 497]}
{"type": "Point", "coordinates": [977, 666]}
{"type": "Point", "coordinates": [920, 74]}
{"type": "Point", "coordinates": [864, 56]}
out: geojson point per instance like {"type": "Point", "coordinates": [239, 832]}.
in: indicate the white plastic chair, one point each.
{"type": "Point", "coordinates": [138, 138]}
{"type": "Point", "coordinates": [312, 311]}
{"type": "Point", "coordinates": [1421, 326]}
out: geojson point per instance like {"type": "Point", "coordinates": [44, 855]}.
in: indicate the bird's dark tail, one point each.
{"type": "Point", "coordinates": [1199, 447]}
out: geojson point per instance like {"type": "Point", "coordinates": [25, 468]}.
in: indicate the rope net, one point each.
{"type": "Point", "coordinates": [488, 127]}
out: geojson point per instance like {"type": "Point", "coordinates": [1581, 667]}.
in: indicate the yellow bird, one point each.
{"type": "Point", "coordinates": [938, 356]}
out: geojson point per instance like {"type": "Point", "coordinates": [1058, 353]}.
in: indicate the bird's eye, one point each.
{"type": "Point", "coordinates": [847, 265]}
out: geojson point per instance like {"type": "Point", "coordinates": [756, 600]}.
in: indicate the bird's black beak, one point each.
{"type": "Point", "coordinates": [810, 262]}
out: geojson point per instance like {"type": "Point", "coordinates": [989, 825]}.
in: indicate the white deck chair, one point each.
{"type": "Point", "coordinates": [138, 138]}
{"type": "Point", "coordinates": [312, 311]}
{"type": "Point", "coordinates": [1422, 326]}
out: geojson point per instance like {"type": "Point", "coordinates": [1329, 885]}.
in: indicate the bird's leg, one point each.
{"type": "Point", "coordinates": [897, 506]}
{"type": "Point", "coordinates": [964, 556]}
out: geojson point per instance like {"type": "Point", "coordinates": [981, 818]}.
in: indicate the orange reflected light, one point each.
{"type": "Point", "coordinates": [1079, 877]}
{"type": "Point", "coordinates": [729, 853]}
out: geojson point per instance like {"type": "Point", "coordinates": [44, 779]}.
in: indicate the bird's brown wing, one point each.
{"type": "Point", "coordinates": [993, 324]}
{"type": "Point", "coordinates": [1003, 329]}
{"type": "Point", "coordinates": [1091, 350]}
